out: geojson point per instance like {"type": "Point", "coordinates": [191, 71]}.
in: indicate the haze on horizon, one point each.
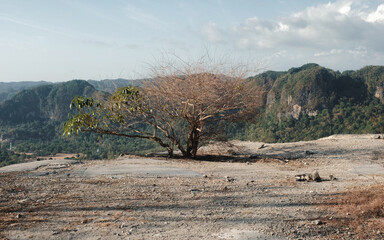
{"type": "Point", "coordinates": [81, 39]}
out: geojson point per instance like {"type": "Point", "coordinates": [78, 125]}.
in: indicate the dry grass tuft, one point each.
{"type": "Point", "coordinates": [365, 203]}
{"type": "Point", "coordinates": [363, 210]}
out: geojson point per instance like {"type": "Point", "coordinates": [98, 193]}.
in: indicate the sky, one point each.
{"type": "Point", "coordinates": [61, 40]}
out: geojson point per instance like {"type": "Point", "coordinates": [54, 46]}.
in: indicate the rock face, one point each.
{"type": "Point", "coordinates": [380, 93]}
{"type": "Point", "coordinates": [44, 102]}
{"type": "Point", "coordinates": [303, 90]}
{"type": "Point", "coordinates": [312, 88]}
{"type": "Point", "coordinates": [373, 78]}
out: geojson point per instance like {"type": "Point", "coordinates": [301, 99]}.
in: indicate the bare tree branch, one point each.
{"type": "Point", "coordinates": [179, 102]}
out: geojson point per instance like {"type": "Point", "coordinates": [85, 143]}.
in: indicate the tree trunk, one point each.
{"type": "Point", "coordinates": [193, 142]}
{"type": "Point", "coordinates": [170, 152]}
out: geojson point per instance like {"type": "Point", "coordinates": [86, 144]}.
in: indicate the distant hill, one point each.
{"type": "Point", "coordinates": [303, 103]}
{"type": "Point", "coordinates": [9, 89]}
{"type": "Point", "coordinates": [302, 90]}
{"type": "Point", "coordinates": [31, 101]}
{"type": "Point", "coordinates": [373, 78]}
{"type": "Point", "coordinates": [111, 85]}
{"type": "Point", "coordinates": [310, 88]}
{"type": "Point", "coordinates": [311, 102]}
{"type": "Point", "coordinates": [45, 102]}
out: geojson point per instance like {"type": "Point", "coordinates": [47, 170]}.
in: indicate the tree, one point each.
{"type": "Point", "coordinates": [178, 107]}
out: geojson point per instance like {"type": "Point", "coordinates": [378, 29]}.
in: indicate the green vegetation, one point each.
{"type": "Point", "coordinates": [111, 86]}
{"type": "Point", "coordinates": [8, 157]}
{"type": "Point", "coordinates": [9, 89]}
{"type": "Point", "coordinates": [344, 118]}
{"type": "Point", "coordinates": [90, 146]}
{"type": "Point", "coordinates": [177, 111]}
{"type": "Point", "coordinates": [329, 102]}
{"type": "Point", "coordinates": [373, 76]}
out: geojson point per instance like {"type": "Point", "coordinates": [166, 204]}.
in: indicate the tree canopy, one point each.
{"type": "Point", "coordinates": [177, 108]}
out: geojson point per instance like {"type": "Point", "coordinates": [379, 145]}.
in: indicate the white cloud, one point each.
{"type": "Point", "coordinates": [345, 9]}
{"type": "Point", "coordinates": [376, 16]}
{"type": "Point", "coordinates": [337, 25]}
{"type": "Point", "coordinates": [328, 53]}
{"type": "Point", "coordinates": [283, 27]}
{"type": "Point", "coordinates": [211, 32]}
{"type": "Point", "coordinates": [358, 52]}
{"type": "Point", "coordinates": [342, 34]}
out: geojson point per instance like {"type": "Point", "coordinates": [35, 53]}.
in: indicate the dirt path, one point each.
{"type": "Point", "coordinates": [255, 198]}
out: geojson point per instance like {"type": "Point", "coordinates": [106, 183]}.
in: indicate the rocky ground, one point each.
{"type": "Point", "coordinates": [249, 193]}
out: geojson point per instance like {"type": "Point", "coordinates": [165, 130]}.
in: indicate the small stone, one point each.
{"type": "Point", "coordinates": [22, 201]}
{"type": "Point", "coordinates": [195, 190]}
{"type": "Point", "coordinates": [315, 176]}
{"type": "Point", "coordinates": [308, 153]}
{"type": "Point", "coordinates": [229, 179]}
{"type": "Point", "coordinates": [301, 177]}
{"type": "Point", "coordinates": [317, 222]}
{"type": "Point", "coordinates": [123, 225]}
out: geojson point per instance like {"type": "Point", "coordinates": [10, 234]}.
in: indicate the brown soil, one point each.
{"type": "Point", "coordinates": [248, 195]}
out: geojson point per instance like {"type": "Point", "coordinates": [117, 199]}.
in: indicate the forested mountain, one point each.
{"type": "Point", "coordinates": [311, 101]}
{"type": "Point", "coordinates": [311, 88]}
{"type": "Point", "coordinates": [9, 89]}
{"type": "Point", "coordinates": [46, 102]}
{"type": "Point", "coordinates": [302, 103]}
{"type": "Point", "coordinates": [373, 78]}
{"type": "Point", "coordinates": [111, 85]}
{"type": "Point", "coordinates": [33, 101]}
{"type": "Point", "coordinates": [32, 121]}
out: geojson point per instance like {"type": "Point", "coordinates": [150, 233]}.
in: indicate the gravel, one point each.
{"type": "Point", "coordinates": [239, 198]}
